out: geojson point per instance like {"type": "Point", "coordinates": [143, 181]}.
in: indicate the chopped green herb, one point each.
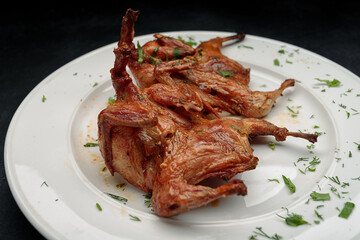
{"type": "Point", "coordinates": [347, 210]}
{"type": "Point", "coordinates": [342, 105]}
{"type": "Point", "coordinates": [319, 133]}
{"type": "Point", "coordinates": [177, 53]}
{"type": "Point", "coordinates": [147, 201]}
{"type": "Point", "coordinates": [333, 83]}
{"type": "Point", "coordinates": [347, 114]}
{"type": "Point", "coordinates": [320, 196]}
{"type": "Point", "coordinates": [225, 74]}
{"type": "Point", "coordinates": [274, 180]}
{"type": "Point", "coordinates": [289, 184]}
{"type": "Point", "coordinates": [134, 218]}
{"type": "Point", "coordinates": [98, 207]}
{"type": "Point", "coordinates": [294, 113]}
{"type": "Point", "coordinates": [191, 41]}
{"type": "Point", "coordinates": [43, 98]}
{"type": "Point", "coordinates": [89, 144]}
{"type": "Point", "coordinates": [116, 197]}
{"type": "Point", "coordinates": [155, 52]}
{"type": "Point", "coordinates": [260, 232]}
{"type": "Point", "coordinates": [241, 131]}
{"type": "Point", "coordinates": [311, 146]}
{"type": "Point", "coordinates": [272, 145]}
{"type": "Point", "coordinates": [335, 191]}
{"type": "Point", "coordinates": [111, 100]}
{"type": "Point", "coordinates": [249, 47]}
{"type": "Point", "coordinates": [318, 215]}
{"type": "Point", "coordinates": [294, 220]}
{"type": "Point", "coordinates": [358, 145]}
{"type": "Point", "coordinates": [335, 179]}
{"type": "Point", "coordinates": [302, 159]}
{"type": "Point", "coordinates": [302, 171]}
{"type": "Point", "coordinates": [140, 53]}
{"type": "Point", "coordinates": [276, 62]}
{"type": "Point", "coordinates": [95, 84]}
{"type": "Point", "coordinates": [44, 184]}
{"type": "Point", "coordinates": [281, 51]}
{"type": "Point", "coordinates": [312, 164]}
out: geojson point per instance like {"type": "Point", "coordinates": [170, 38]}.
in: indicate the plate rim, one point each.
{"type": "Point", "coordinates": [37, 221]}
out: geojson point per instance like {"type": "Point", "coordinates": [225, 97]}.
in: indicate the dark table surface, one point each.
{"type": "Point", "coordinates": [37, 40]}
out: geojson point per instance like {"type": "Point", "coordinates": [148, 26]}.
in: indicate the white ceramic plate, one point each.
{"type": "Point", "coordinates": [57, 182]}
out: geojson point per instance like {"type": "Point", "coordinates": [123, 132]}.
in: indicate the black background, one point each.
{"type": "Point", "coordinates": [37, 40]}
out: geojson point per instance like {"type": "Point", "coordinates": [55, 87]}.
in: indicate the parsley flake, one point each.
{"type": "Point", "coordinates": [320, 196]}
{"type": "Point", "coordinates": [289, 184]}
{"type": "Point", "coordinates": [241, 131]}
{"type": "Point", "coordinates": [147, 200]}
{"type": "Point", "coordinates": [276, 62]}
{"type": "Point", "coordinates": [134, 218]}
{"type": "Point", "coordinates": [89, 144]}
{"type": "Point", "coordinates": [294, 220]}
{"type": "Point", "coordinates": [274, 180]}
{"type": "Point", "coordinates": [140, 53]}
{"type": "Point", "coordinates": [260, 232]}
{"type": "Point", "coordinates": [347, 210]}
{"type": "Point", "coordinates": [358, 145]}
{"type": "Point", "coordinates": [116, 197]}
{"type": "Point", "coordinates": [272, 145]}
{"type": "Point", "coordinates": [98, 207]}
{"type": "Point", "coordinates": [333, 83]}
{"type": "Point", "coordinates": [225, 74]}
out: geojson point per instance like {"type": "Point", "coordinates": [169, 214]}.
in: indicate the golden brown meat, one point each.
{"type": "Point", "coordinates": [163, 48]}
{"type": "Point", "coordinates": [167, 48]}
{"type": "Point", "coordinates": [133, 130]}
{"type": "Point", "coordinates": [220, 82]}
{"type": "Point", "coordinates": [238, 97]}
{"type": "Point", "coordinates": [161, 140]}
{"type": "Point", "coordinates": [210, 149]}
{"type": "Point", "coordinates": [213, 61]}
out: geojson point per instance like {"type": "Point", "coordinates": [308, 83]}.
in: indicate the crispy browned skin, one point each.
{"type": "Point", "coordinates": [238, 98]}
{"type": "Point", "coordinates": [162, 141]}
{"type": "Point", "coordinates": [212, 149]}
{"type": "Point", "coordinates": [213, 61]}
{"type": "Point", "coordinates": [133, 130]}
{"type": "Point", "coordinates": [220, 82]}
